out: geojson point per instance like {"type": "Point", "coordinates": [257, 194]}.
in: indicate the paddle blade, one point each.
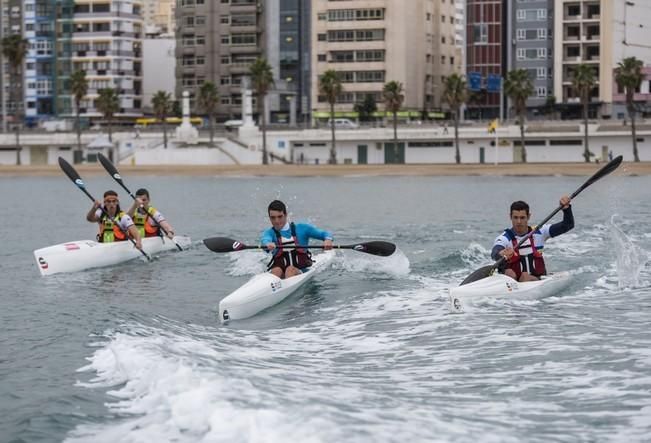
{"type": "Point", "coordinates": [110, 168]}
{"type": "Point", "coordinates": [71, 173]}
{"type": "Point", "coordinates": [607, 169]}
{"type": "Point", "coordinates": [480, 273]}
{"type": "Point", "coordinates": [223, 244]}
{"type": "Point", "coordinates": [381, 248]}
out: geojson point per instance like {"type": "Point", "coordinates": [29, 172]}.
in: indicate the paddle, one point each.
{"type": "Point", "coordinates": [76, 179]}
{"type": "Point", "coordinates": [223, 244]}
{"type": "Point", "coordinates": [488, 270]}
{"type": "Point", "coordinates": [113, 172]}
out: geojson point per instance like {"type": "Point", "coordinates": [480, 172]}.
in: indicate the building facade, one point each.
{"type": "Point", "coordinates": [159, 16]}
{"type": "Point", "coordinates": [599, 33]}
{"type": "Point", "coordinates": [217, 42]}
{"type": "Point", "coordinates": [486, 53]}
{"type": "Point", "coordinates": [531, 46]}
{"type": "Point", "coordinates": [370, 43]}
{"type": "Point", "coordinates": [287, 29]}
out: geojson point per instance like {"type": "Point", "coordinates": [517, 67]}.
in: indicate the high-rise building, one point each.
{"type": "Point", "coordinates": [486, 53]}
{"type": "Point", "coordinates": [531, 45]}
{"type": "Point", "coordinates": [107, 44]}
{"type": "Point", "coordinates": [599, 33]}
{"type": "Point", "coordinates": [217, 42]}
{"type": "Point", "coordinates": [369, 43]}
{"type": "Point", "coordinates": [287, 38]}
{"type": "Point", "coordinates": [13, 92]}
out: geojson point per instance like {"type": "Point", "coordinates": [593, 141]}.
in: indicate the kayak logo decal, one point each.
{"type": "Point", "coordinates": [276, 285]}
{"type": "Point", "coordinates": [43, 263]}
{"type": "Point", "coordinates": [71, 246]}
{"type": "Point", "coordinates": [510, 286]}
{"type": "Point", "coordinates": [236, 245]}
{"type": "Point", "coordinates": [225, 315]}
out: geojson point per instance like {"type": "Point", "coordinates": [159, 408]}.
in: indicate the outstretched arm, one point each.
{"type": "Point", "coordinates": [563, 226]}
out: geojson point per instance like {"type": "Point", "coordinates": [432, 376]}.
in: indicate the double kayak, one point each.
{"type": "Point", "coordinates": [85, 254]}
{"type": "Point", "coordinates": [266, 290]}
{"type": "Point", "coordinates": [502, 286]}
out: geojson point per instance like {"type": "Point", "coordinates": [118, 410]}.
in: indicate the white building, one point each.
{"type": "Point", "coordinates": [159, 64]}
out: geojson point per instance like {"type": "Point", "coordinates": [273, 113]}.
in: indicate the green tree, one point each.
{"type": "Point", "coordinates": [518, 87]}
{"type": "Point", "coordinates": [108, 103]}
{"type": "Point", "coordinates": [14, 49]}
{"type": "Point", "coordinates": [629, 76]}
{"type": "Point", "coordinates": [393, 99]}
{"type": "Point", "coordinates": [455, 94]}
{"type": "Point", "coordinates": [583, 83]}
{"type": "Point", "coordinates": [366, 108]}
{"type": "Point", "coordinates": [331, 87]}
{"type": "Point", "coordinates": [208, 100]}
{"type": "Point", "coordinates": [161, 102]}
{"type": "Point", "coordinates": [79, 89]}
{"type": "Point", "coordinates": [263, 80]}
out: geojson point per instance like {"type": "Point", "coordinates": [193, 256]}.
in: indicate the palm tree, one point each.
{"type": "Point", "coordinates": [518, 87]}
{"type": "Point", "coordinates": [393, 99]}
{"type": "Point", "coordinates": [79, 89]}
{"type": "Point", "coordinates": [108, 104]}
{"type": "Point", "coordinates": [14, 48]}
{"type": "Point", "coordinates": [629, 76]}
{"type": "Point", "coordinates": [330, 86]}
{"type": "Point", "coordinates": [208, 100]}
{"type": "Point", "coordinates": [455, 94]}
{"type": "Point", "coordinates": [583, 82]}
{"type": "Point", "coordinates": [162, 104]}
{"type": "Point", "coordinates": [263, 79]}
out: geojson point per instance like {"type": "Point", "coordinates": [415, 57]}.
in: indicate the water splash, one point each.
{"type": "Point", "coordinates": [396, 265]}
{"type": "Point", "coordinates": [631, 259]}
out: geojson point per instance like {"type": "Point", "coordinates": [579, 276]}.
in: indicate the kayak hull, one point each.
{"type": "Point", "coordinates": [86, 254]}
{"type": "Point", "coordinates": [502, 286]}
{"type": "Point", "coordinates": [265, 290]}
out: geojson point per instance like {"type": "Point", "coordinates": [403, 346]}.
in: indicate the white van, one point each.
{"type": "Point", "coordinates": [343, 123]}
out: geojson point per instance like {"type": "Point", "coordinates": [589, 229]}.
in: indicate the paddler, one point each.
{"type": "Point", "coordinates": [108, 231]}
{"type": "Point", "coordinates": [148, 220]}
{"type": "Point", "coordinates": [527, 263]}
{"type": "Point", "coordinates": [288, 262]}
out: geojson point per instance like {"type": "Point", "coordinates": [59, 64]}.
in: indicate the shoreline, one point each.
{"type": "Point", "coordinates": [506, 169]}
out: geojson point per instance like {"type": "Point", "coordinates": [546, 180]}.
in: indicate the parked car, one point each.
{"type": "Point", "coordinates": [232, 124]}
{"type": "Point", "coordinates": [343, 123]}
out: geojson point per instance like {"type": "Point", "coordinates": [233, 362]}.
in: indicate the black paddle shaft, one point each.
{"type": "Point", "coordinates": [113, 172]}
{"type": "Point", "coordinates": [488, 270]}
{"type": "Point", "coordinates": [223, 244]}
{"type": "Point", "coordinates": [76, 179]}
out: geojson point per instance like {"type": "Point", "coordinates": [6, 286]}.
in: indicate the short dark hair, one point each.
{"type": "Point", "coordinates": [110, 192]}
{"type": "Point", "coordinates": [519, 206]}
{"type": "Point", "coordinates": [277, 205]}
{"type": "Point", "coordinates": [142, 191]}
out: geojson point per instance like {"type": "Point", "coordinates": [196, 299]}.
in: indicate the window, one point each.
{"type": "Point", "coordinates": [541, 73]}
{"type": "Point", "coordinates": [480, 33]}
{"type": "Point", "coordinates": [542, 52]}
{"type": "Point", "coordinates": [521, 34]}
{"type": "Point", "coordinates": [541, 91]}
{"type": "Point", "coordinates": [542, 34]}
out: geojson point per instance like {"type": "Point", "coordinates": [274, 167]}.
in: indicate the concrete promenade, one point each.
{"type": "Point", "coordinates": [508, 169]}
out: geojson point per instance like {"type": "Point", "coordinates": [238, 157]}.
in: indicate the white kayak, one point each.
{"type": "Point", "coordinates": [501, 286]}
{"type": "Point", "coordinates": [85, 254]}
{"type": "Point", "coordinates": [265, 290]}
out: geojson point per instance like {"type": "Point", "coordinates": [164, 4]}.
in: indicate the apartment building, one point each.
{"type": "Point", "coordinates": [370, 43]}
{"type": "Point", "coordinates": [217, 42]}
{"type": "Point", "coordinates": [159, 16]}
{"type": "Point", "coordinates": [531, 45]}
{"type": "Point", "coordinates": [599, 33]}
{"type": "Point", "coordinates": [486, 53]}
{"type": "Point", "coordinates": [287, 36]}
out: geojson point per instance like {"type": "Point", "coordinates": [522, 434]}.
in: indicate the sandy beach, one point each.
{"type": "Point", "coordinates": [508, 169]}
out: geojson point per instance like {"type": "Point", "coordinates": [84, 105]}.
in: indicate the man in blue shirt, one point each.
{"type": "Point", "coordinates": [291, 261]}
